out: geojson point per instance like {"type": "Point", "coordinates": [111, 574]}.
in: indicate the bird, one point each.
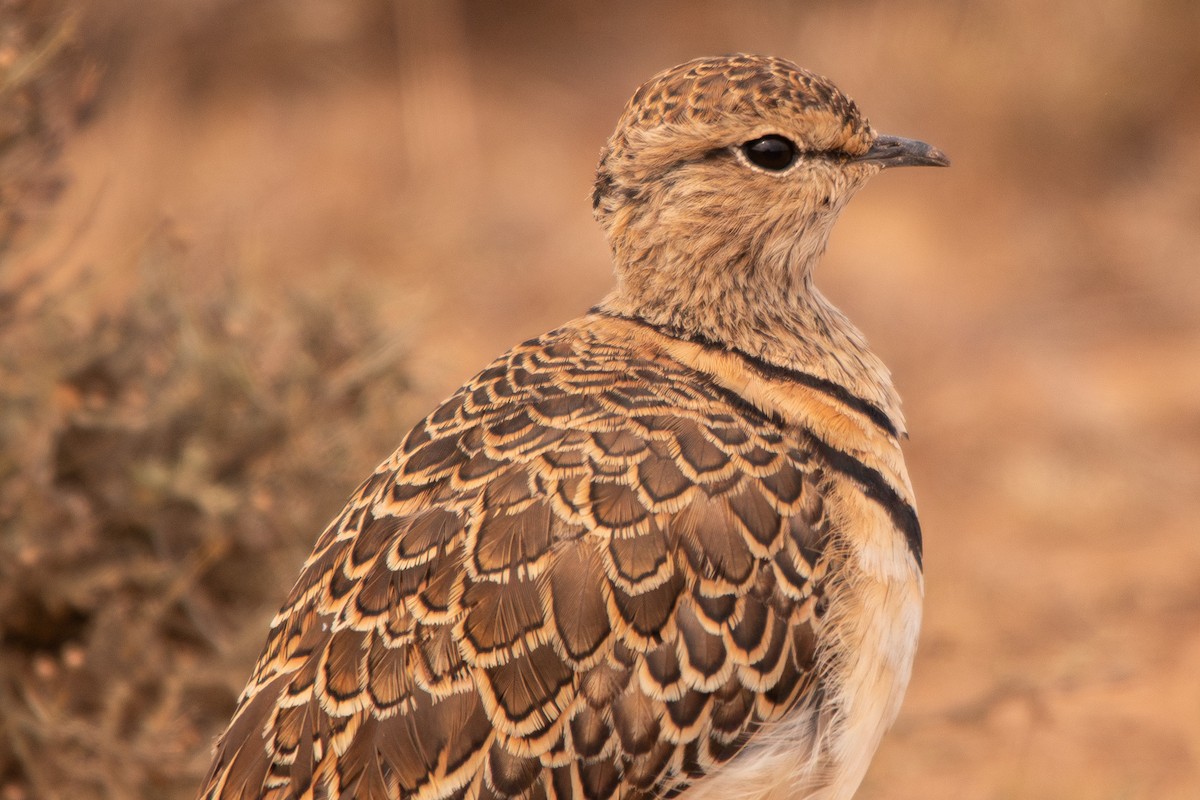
{"type": "Point", "coordinates": [668, 549]}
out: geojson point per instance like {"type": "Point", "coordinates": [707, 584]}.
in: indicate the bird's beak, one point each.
{"type": "Point", "coordinates": [895, 151]}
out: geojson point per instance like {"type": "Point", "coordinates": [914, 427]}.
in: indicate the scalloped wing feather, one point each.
{"type": "Point", "coordinates": [589, 573]}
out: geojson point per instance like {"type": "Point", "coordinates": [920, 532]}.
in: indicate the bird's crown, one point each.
{"type": "Point", "coordinates": [713, 102]}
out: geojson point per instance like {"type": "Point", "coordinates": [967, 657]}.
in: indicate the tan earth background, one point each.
{"type": "Point", "coordinates": [244, 245]}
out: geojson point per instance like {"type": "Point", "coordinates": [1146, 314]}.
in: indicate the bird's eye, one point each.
{"type": "Point", "coordinates": [770, 152]}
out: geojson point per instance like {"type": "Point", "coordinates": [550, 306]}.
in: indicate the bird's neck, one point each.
{"type": "Point", "coordinates": [783, 321]}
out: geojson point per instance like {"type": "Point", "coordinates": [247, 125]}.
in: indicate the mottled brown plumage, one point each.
{"type": "Point", "coordinates": [669, 547]}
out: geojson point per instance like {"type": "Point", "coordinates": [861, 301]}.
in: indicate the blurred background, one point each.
{"type": "Point", "coordinates": [244, 245]}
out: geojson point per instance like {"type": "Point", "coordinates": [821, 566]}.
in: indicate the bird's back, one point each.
{"type": "Point", "coordinates": [612, 561]}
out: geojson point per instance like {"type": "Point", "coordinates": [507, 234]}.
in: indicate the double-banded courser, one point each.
{"type": "Point", "coordinates": [668, 548]}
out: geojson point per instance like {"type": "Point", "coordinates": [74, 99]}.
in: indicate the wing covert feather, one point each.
{"type": "Point", "coordinates": [589, 573]}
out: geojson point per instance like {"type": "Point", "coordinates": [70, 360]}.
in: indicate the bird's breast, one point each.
{"type": "Point", "coordinates": [868, 638]}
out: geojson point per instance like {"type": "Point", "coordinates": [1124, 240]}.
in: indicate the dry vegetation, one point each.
{"type": "Point", "coordinates": [244, 245]}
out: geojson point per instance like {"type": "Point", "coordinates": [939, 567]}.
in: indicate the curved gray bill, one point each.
{"type": "Point", "coordinates": [896, 151]}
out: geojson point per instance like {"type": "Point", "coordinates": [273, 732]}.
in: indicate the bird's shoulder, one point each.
{"type": "Point", "coordinates": [594, 566]}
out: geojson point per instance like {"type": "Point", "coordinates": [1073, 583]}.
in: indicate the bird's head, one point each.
{"type": "Point", "coordinates": [725, 175]}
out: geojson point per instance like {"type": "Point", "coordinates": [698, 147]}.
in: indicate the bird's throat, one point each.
{"type": "Point", "coordinates": [788, 324]}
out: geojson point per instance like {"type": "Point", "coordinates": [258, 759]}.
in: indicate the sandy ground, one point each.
{"type": "Point", "coordinates": [427, 166]}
